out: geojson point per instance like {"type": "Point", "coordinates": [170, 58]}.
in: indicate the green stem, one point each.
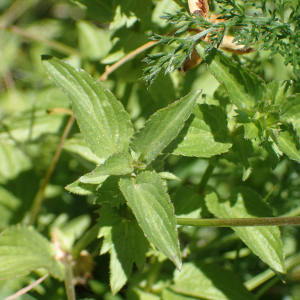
{"type": "Point", "coordinates": [208, 172]}
{"type": "Point", "coordinates": [153, 273]}
{"type": "Point", "coordinates": [239, 222]}
{"type": "Point", "coordinates": [256, 281]}
{"type": "Point", "coordinates": [85, 240]}
{"type": "Point", "coordinates": [69, 277]}
{"type": "Point", "coordinates": [266, 287]}
{"type": "Point", "coordinates": [38, 199]}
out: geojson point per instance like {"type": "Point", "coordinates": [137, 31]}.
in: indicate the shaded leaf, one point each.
{"type": "Point", "coordinates": [109, 192]}
{"type": "Point", "coordinates": [187, 203]}
{"type": "Point", "coordinates": [13, 160]}
{"type": "Point", "coordinates": [289, 144]}
{"type": "Point", "coordinates": [264, 241]}
{"type": "Point", "coordinates": [243, 148]}
{"type": "Point", "coordinates": [162, 127]}
{"type": "Point", "coordinates": [147, 197]}
{"type": "Point", "coordinates": [277, 91]}
{"type": "Point", "coordinates": [290, 112]}
{"type": "Point", "coordinates": [245, 89]}
{"type": "Point", "coordinates": [102, 119]}
{"type": "Point", "coordinates": [209, 281]}
{"type": "Point", "coordinates": [125, 242]}
{"type": "Point", "coordinates": [171, 295]}
{"type": "Point", "coordinates": [23, 249]}
{"type": "Point", "coordinates": [78, 148]}
{"type": "Point", "coordinates": [205, 133]}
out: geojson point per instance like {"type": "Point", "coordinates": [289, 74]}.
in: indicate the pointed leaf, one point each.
{"type": "Point", "coordinates": [277, 91]}
{"type": "Point", "coordinates": [125, 241]}
{"type": "Point", "coordinates": [205, 133]}
{"type": "Point", "coordinates": [81, 188]}
{"type": "Point", "coordinates": [147, 197]}
{"type": "Point", "coordinates": [245, 89]}
{"type": "Point", "coordinates": [209, 281]}
{"type": "Point", "coordinates": [290, 112]}
{"type": "Point", "coordinates": [102, 119]}
{"type": "Point", "coordinates": [162, 127]}
{"type": "Point", "coordinates": [289, 144]}
{"type": "Point", "coordinates": [117, 164]}
{"type": "Point", "coordinates": [23, 249]}
{"type": "Point", "coordinates": [263, 241]}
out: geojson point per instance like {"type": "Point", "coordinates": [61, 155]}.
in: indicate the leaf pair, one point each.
{"type": "Point", "coordinates": [109, 133]}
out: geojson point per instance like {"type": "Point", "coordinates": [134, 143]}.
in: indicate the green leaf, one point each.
{"type": "Point", "coordinates": [264, 241]}
{"type": "Point", "coordinates": [245, 89]}
{"type": "Point", "coordinates": [117, 164]}
{"type": "Point", "coordinates": [102, 119]}
{"type": "Point", "coordinates": [13, 159]}
{"type": "Point", "coordinates": [209, 281]}
{"type": "Point", "coordinates": [289, 144]}
{"type": "Point", "coordinates": [9, 205]}
{"type": "Point", "coordinates": [187, 203]}
{"type": "Point", "coordinates": [168, 175]}
{"type": "Point", "coordinates": [78, 148]}
{"type": "Point", "coordinates": [23, 249]}
{"type": "Point", "coordinates": [290, 112]}
{"type": "Point", "coordinates": [243, 148]}
{"type": "Point", "coordinates": [100, 10]}
{"type": "Point", "coordinates": [30, 125]}
{"type": "Point", "coordinates": [277, 91]}
{"type": "Point", "coordinates": [109, 192]}
{"type": "Point", "coordinates": [94, 42]}
{"type": "Point", "coordinates": [125, 242]}
{"type": "Point", "coordinates": [205, 133]}
{"type": "Point", "coordinates": [274, 154]}
{"type": "Point", "coordinates": [137, 294]}
{"type": "Point", "coordinates": [170, 295]}
{"type": "Point", "coordinates": [147, 197]}
{"type": "Point", "coordinates": [81, 188]}
{"type": "Point", "coordinates": [162, 127]}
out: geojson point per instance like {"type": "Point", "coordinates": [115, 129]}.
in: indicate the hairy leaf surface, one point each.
{"type": "Point", "coordinates": [205, 133]}
{"type": "Point", "coordinates": [264, 241]}
{"type": "Point", "coordinates": [147, 197]}
{"type": "Point", "coordinates": [125, 242]}
{"type": "Point", "coordinates": [245, 89]}
{"type": "Point", "coordinates": [162, 127]}
{"type": "Point", "coordinates": [290, 145]}
{"type": "Point", "coordinates": [209, 281]}
{"type": "Point", "coordinates": [23, 249]}
{"type": "Point", "coordinates": [102, 119]}
{"type": "Point", "coordinates": [290, 112]}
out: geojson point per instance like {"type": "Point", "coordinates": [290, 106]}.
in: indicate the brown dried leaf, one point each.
{"type": "Point", "coordinates": [199, 7]}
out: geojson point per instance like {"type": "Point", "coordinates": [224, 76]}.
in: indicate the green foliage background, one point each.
{"type": "Point", "coordinates": [90, 35]}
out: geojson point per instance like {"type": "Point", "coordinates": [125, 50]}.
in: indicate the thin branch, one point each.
{"type": "Point", "coordinates": [69, 277]}
{"type": "Point", "coordinates": [240, 222]}
{"type": "Point", "coordinates": [62, 48]}
{"type": "Point", "coordinates": [112, 68]}
{"type": "Point", "coordinates": [26, 289]}
{"type": "Point", "coordinates": [37, 202]}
